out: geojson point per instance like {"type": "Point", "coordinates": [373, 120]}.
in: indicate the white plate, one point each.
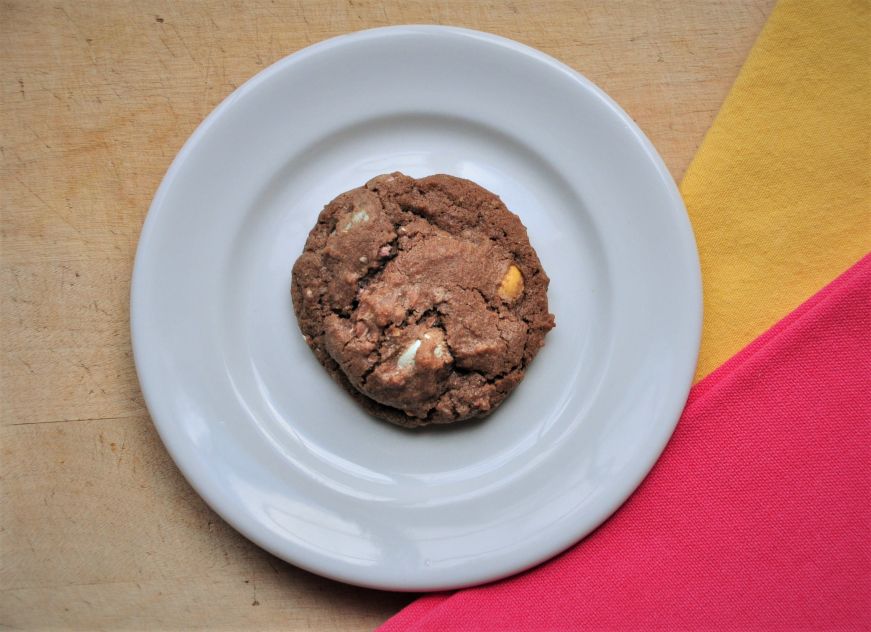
{"type": "Point", "coordinates": [278, 449]}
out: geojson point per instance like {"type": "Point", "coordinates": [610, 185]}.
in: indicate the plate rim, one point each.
{"type": "Point", "coordinates": [680, 226]}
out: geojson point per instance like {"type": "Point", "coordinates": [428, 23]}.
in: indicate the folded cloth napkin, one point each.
{"type": "Point", "coordinates": [757, 516]}
{"type": "Point", "coordinates": [779, 193]}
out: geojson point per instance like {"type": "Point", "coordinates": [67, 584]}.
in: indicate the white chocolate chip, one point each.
{"type": "Point", "coordinates": [406, 360]}
{"type": "Point", "coordinates": [438, 351]}
{"type": "Point", "coordinates": [364, 259]}
{"type": "Point", "coordinates": [357, 218]}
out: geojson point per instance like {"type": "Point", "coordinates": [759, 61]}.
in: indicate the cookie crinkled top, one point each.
{"type": "Point", "coordinates": [422, 297]}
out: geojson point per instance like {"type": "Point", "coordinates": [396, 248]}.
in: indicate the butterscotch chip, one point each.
{"type": "Point", "coordinates": [423, 298]}
{"type": "Point", "coordinates": [511, 285]}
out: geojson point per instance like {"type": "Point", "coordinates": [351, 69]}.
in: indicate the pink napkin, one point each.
{"type": "Point", "coordinates": [757, 516]}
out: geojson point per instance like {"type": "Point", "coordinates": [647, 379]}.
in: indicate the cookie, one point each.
{"type": "Point", "coordinates": [423, 298]}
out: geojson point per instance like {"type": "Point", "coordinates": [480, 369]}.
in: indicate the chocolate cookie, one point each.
{"type": "Point", "coordinates": [423, 298]}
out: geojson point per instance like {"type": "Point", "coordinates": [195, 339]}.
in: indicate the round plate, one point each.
{"type": "Point", "coordinates": [278, 449]}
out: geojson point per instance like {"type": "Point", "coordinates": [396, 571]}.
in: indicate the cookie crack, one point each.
{"type": "Point", "coordinates": [365, 375]}
{"type": "Point", "coordinates": [487, 302]}
{"type": "Point", "coordinates": [373, 273]}
{"type": "Point", "coordinates": [341, 313]}
{"type": "Point", "coordinates": [419, 212]}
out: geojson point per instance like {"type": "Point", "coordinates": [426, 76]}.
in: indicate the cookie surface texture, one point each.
{"type": "Point", "coordinates": [423, 298]}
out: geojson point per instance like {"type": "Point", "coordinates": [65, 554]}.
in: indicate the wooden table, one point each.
{"type": "Point", "coordinates": [97, 527]}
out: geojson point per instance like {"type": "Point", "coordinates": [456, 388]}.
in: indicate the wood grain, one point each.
{"type": "Point", "coordinates": [98, 530]}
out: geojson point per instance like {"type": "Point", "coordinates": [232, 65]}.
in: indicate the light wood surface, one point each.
{"type": "Point", "coordinates": [98, 530]}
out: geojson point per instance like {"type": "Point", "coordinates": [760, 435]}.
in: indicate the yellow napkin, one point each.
{"type": "Point", "coordinates": [800, 112]}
